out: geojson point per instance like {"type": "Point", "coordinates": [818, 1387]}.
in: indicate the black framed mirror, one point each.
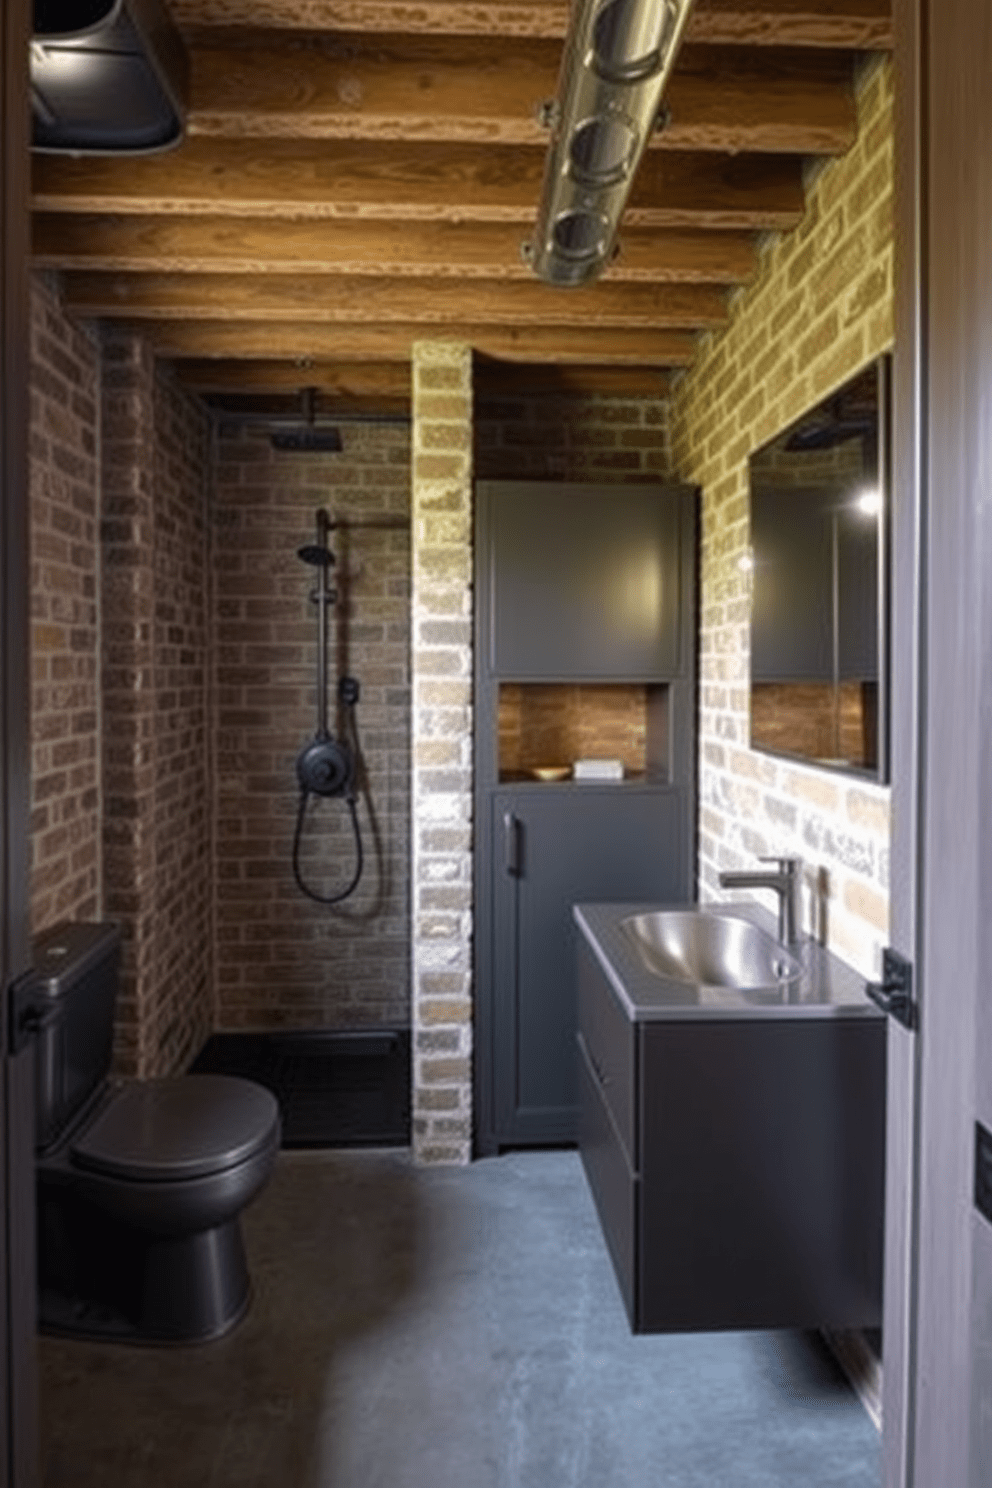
{"type": "Point", "coordinates": [819, 573]}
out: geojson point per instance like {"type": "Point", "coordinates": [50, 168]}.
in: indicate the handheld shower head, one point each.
{"type": "Point", "coordinates": [316, 555]}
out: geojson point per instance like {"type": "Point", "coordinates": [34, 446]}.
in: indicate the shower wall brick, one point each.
{"type": "Point", "coordinates": [65, 630]}
{"type": "Point", "coordinates": [819, 309]}
{"type": "Point", "coordinates": [572, 438]}
{"type": "Point", "coordinates": [182, 1013]}
{"type": "Point", "coordinates": [155, 708]}
{"type": "Point", "coordinates": [282, 960]}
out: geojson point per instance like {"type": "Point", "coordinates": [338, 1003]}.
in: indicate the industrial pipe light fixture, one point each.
{"type": "Point", "coordinates": [617, 60]}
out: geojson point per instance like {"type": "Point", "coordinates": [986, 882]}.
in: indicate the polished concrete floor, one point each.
{"type": "Point", "coordinates": [453, 1328]}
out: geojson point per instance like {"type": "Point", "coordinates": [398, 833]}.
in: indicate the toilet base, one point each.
{"type": "Point", "coordinates": [116, 1283]}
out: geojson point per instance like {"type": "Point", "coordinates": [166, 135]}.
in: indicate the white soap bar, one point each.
{"type": "Point", "coordinates": [598, 769]}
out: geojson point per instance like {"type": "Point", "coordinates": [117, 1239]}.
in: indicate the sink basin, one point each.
{"type": "Point", "coordinates": [709, 949]}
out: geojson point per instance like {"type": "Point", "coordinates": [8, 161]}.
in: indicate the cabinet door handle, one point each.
{"type": "Point", "coordinates": [511, 844]}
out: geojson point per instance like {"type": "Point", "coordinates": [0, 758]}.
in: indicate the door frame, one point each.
{"type": "Point", "coordinates": [938, 1367]}
{"type": "Point", "coordinates": [18, 1384]}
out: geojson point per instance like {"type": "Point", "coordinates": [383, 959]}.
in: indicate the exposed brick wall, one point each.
{"type": "Point", "coordinates": [155, 707]}
{"type": "Point", "coordinates": [181, 1013]}
{"type": "Point", "coordinates": [554, 723]}
{"type": "Point", "coordinates": [283, 960]}
{"type": "Point", "coordinates": [819, 309]}
{"type": "Point", "coordinates": [572, 438]}
{"type": "Point", "coordinates": [128, 679]}
{"type": "Point", "coordinates": [441, 951]}
{"type": "Point", "coordinates": [65, 632]}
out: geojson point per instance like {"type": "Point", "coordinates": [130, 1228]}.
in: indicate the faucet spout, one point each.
{"type": "Point", "coordinates": [784, 882]}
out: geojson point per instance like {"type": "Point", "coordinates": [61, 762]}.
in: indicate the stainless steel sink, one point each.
{"type": "Point", "coordinates": [709, 949]}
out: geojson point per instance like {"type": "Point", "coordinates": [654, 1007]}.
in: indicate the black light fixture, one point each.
{"type": "Point", "coordinates": [107, 77]}
{"type": "Point", "coordinates": [617, 60]}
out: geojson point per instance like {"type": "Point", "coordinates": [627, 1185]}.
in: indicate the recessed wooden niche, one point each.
{"type": "Point", "coordinates": [547, 724]}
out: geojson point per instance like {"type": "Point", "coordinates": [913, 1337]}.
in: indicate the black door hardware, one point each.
{"type": "Point", "coordinates": [27, 1012]}
{"type": "Point", "coordinates": [894, 993]}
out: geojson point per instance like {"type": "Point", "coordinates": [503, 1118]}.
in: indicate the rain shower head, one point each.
{"type": "Point", "coordinates": [311, 436]}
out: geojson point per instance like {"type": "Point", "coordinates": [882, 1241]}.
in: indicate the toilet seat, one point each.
{"type": "Point", "coordinates": [170, 1130]}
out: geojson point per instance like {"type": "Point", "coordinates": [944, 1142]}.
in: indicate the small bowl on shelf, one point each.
{"type": "Point", "coordinates": [551, 772]}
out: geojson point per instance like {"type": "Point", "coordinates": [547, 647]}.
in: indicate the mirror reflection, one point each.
{"type": "Point", "coordinates": [818, 505]}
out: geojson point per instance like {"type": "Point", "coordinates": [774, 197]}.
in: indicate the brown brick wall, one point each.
{"type": "Point", "coordinates": [181, 1014]}
{"type": "Point", "coordinates": [282, 960]}
{"type": "Point", "coordinates": [554, 723]}
{"type": "Point", "coordinates": [572, 438]}
{"type": "Point", "coordinates": [65, 756]}
{"type": "Point", "coordinates": [155, 707]}
{"type": "Point", "coordinates": [128, 680]}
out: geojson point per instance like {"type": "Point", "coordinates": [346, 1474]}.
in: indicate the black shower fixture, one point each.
{"type": "Point", "coordinates": [108, 77]}
{"type": "Point", "coordinates": [328, 766]}
{"type": "Point", "coordinates": [310, 436]}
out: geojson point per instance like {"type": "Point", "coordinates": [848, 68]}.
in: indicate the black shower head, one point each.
{"type": "Point", "coordinates": [310, 435]}
{"type": "Point", "coordinates": [315, 555]}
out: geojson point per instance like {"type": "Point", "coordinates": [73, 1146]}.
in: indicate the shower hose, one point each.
{"type": "Point", "coordinates": [302, 885]}
{"type": "Point", "coordinates": [353, 755]}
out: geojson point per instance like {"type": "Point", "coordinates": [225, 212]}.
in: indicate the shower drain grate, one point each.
{"type": "Point", "coordinates": [334, 1089]}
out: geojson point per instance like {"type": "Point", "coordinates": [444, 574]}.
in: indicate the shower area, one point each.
{"type": "Point", "coordinates": [310, 559]}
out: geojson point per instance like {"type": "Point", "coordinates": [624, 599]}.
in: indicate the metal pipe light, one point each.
{"type": "Point", "coordinates": [617, 60]}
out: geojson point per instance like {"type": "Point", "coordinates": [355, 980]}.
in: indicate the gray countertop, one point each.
{"type": "Point", "coordinates": [829, 988]}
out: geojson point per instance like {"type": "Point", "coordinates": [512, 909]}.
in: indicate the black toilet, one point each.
{"type": "Point", "coordinates": [141, 1183]}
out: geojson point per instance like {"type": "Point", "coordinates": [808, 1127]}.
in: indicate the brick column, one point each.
{"type": "Point", "coordinates": [441, 786]}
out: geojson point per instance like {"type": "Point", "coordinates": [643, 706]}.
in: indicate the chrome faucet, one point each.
{"type": "Point", "coordinates": [785, 882]}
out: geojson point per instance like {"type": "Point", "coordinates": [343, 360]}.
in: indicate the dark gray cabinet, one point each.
{"type": "Point", "coordinates": [555, 848]}
{"type": "Point", "coordinates": [587, 588]}
{"type": "Point", "coordinates": [582, 582]}
{"type": "Point", "coordinates": [737, 1165]}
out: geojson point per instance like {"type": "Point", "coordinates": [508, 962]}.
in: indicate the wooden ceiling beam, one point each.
{"type": "Point", "coordinates": [243, 245]}
{"type": "Point", "coordinates": [334, 299]}
{"type": "Point", "coordinates": [345, 380]}
{"type": "Point", "coordinates": [376, 179]}
{"type": "Point", "coordinates": [390, 343]}
{"type": "Point", "coordinates": [386, 385]}
{"type": "Point", "coordinates": [828, 23]}
{"type": "Point", "coordinates": [487, 91]}
{"type": "Point", "coordinates": [494, 379]}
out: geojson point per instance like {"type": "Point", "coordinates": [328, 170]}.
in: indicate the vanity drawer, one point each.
{"type": "Point", "coordinates": [609, 1037]}
{"type": "Point", "coordinates": [615, 1190]}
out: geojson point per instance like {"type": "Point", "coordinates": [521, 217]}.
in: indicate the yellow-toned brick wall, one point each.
{"type": "Point", "coordinates": [441, 729]}
{"type": "Point", "coordinates": [820, 307]}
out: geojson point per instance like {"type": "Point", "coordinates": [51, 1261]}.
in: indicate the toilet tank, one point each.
{"type": "Point", "coordinates": [73, 991]}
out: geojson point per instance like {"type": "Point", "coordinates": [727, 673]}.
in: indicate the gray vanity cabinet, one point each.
{"type": "Point", "coordinates": [555, 848]}
{"type": "Point", "coordinates": [737, 1165]}
{"type": "Point", "coordinates": [585, 600]}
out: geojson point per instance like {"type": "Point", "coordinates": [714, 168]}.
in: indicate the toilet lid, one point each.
{"type": "Point", "coordinates": [180, 1128]}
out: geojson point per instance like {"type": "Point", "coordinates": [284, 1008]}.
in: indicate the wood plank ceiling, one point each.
{"type": "Point", "coordinates": [358, 174]}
